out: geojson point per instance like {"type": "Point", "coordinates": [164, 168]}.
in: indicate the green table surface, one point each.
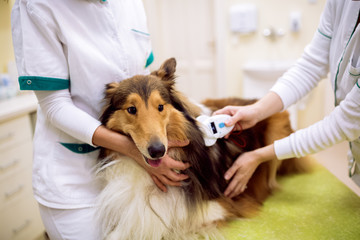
{"type": "Point", "coordinates": [311, 206]}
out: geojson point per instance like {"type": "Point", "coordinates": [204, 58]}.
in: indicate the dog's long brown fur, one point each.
{"type": "Point", "coordinates": [150, 111]}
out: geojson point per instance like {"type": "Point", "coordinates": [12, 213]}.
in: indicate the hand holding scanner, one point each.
{"type": "Point", "coordinates": [213, 127]}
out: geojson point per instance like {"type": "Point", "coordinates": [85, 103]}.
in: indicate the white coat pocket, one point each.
{"type": "Point", "coordinates": [144, 48]}
{"type": "Point", "coordinates": [73, 172]}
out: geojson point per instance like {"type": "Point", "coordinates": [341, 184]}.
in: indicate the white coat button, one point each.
{"type": "Point", "coordinates": [28, 82]}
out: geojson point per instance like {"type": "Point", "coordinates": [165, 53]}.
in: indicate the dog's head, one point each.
{"type": "Point", "coordinates": [142, 107]}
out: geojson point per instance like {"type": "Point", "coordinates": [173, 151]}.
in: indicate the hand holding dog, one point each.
{"type": "Point", "coordinates": [244, 167]}
{"type": "Point", "coordinates": [165, 174]}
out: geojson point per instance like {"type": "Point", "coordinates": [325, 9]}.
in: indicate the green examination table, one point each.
{"type": "Point", "coordinates": [311, 206]}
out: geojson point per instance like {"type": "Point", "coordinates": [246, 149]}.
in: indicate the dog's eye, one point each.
{"type": "Point", "coordinates": [161, 108]}
{"type": "Point", "coordinates": [131, 110]}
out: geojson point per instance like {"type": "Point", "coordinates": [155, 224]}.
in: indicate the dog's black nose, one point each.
{"type": "Point", "coordinates": [156, 150]}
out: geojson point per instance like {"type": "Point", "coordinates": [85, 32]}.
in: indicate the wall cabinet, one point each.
{"type": "Point", "coordinates": [19, 214]}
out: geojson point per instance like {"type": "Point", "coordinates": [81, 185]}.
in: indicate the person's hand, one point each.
{"type": "Point", "coordinates": [240, 173]}
{"type": "Point", "coordinates": [168, 171]}
{"type": "Point", "coordinates": [251, 114]}
{"type": "Point", "coordinates": [247, 116]}
{"type": "Point", "coordinates": [244, 167]}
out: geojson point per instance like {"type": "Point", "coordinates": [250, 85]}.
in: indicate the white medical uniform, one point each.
{"type": "Point", "coordinates": [335, 48]}
{"type": "Point", "coordinates": [66, 51]}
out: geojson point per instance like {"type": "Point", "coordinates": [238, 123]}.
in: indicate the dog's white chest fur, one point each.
{"type": "Point", "coordinates": [132, 207]}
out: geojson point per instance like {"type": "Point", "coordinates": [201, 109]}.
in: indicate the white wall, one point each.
{"type": "Point", "coordinates": [235, 50]}
{"type": "Point", "coordinates": [271, 13]}
{"type": "Point", "coordinates": [243, 48]}
{"type": "Point", "coordinates": [6, 49]}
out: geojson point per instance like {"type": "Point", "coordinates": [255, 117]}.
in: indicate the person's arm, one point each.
{"type": "Point", "coordinates": [292, 86]}
{"type": "Point", "coordinates": [340, 125]}
{"type": "Point", "coordinates": [295, 83]}
{"type": "Point", "coordinates": [61, 112]}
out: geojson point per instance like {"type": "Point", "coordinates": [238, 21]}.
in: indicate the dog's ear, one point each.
{"type": "Point", "coordinates": [111, 89]}
{"type": "Point", "coordinates": [109, 108]}
{"type": "Point", "coordinates": [167, 70]}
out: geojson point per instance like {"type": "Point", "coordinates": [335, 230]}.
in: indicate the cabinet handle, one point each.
{"type": "Point", "coordinates": [6, 137]}
{"type": "Point", "coordinates": [21, 227]}
{"type": "Point", "coordinates": [9, 165]}
{"type": "Point", "coordinates": [11, 193]}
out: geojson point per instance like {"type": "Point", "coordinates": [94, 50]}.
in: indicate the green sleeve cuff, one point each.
{"type": "Point", "coordinates": [81, 148]}
{"type": "Point", "coordinates": [43, 83]}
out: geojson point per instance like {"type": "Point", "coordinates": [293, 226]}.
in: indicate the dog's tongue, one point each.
{"type": "Point", "coordinates": [154, 162]}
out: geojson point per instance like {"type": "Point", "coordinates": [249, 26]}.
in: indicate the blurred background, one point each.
{"type": "Point", "coordinates": [234, 47]}
{"type": "Point", "coordinates": [223, 48]}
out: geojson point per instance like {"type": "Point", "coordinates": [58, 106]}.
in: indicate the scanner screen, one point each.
{"type": "Point", "coordinates": [213, 128]}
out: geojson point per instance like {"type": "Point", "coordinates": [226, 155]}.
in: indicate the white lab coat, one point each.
{"type": "Point", "coordinates": [335, 48]}
{"type": "Point", "coordinates": [73, 48]}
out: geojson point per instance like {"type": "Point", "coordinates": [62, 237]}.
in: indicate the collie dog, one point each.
{"type": "Point", "coordinates": [151, 112]}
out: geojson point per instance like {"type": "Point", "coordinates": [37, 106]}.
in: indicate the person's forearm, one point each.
{"type": "Point", "coordinates": [264, 154]}
{"type": "Point", "coordinates": [109, 139]}
{"type": "Point", "coordinates": [268, 105]}
{"type": "Point", "coordinates": [60, 111]}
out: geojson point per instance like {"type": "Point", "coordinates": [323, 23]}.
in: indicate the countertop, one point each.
{"type": "Point", "coordinates": [20, 105]}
